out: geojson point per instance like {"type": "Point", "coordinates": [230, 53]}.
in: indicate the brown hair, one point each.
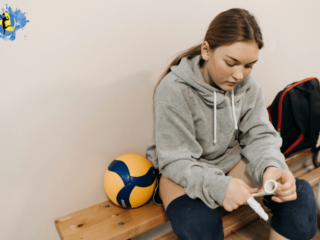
{"type": "Point", "coordinates": [233, 25]}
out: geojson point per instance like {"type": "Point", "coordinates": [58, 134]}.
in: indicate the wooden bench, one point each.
{"type": "Point", "coordinates": [106, 221]}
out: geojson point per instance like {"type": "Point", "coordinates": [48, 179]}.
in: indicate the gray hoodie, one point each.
{"type": "Point", "coordinates": [202, 132]}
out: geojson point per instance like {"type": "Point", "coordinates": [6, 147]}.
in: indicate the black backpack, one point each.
{"type": "Point", "coordinates": [295, 114]}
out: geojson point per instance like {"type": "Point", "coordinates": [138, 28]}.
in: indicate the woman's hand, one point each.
{"type": "Point", "coordinates": [238, 193]}
{"type": "Point", "coordinates": [286, 192]}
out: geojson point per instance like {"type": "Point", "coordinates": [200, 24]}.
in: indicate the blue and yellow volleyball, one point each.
{"type": "Point", "coordinates": [130, 181]}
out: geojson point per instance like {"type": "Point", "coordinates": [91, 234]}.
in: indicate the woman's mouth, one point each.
{"type": "Point", "coordinates": [232, 83]}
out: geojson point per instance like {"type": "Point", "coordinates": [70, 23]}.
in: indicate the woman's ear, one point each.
{"type": "Point", "coordinates": [205, 50]}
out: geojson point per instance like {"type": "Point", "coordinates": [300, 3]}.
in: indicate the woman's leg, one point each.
{"type": "Point", "coordinates": [190, 218]}
{"type": "Point", "coordinates": [296, 220]}
{"type": "Point", "coordinates": [169, 190]}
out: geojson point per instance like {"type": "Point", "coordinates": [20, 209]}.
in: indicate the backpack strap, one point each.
{"type": "Point", "coordinates": [315, 120]}
{"type": "Point", "coordinates": [315, 114]}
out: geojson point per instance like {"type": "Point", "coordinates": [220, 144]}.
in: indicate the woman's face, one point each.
{"type": "Point", "coordinates": [229, 65]}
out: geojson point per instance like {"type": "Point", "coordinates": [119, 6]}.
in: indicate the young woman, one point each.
{"type": "Point", "coordinates": [213, 140]}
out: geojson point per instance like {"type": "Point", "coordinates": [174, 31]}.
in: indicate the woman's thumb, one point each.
{"type": "Point", "coordinates": [252, 190]}
{"type": "Point", "coordinates": [279, 176]}
{"type": "Point", "coordinates": [261, 190]}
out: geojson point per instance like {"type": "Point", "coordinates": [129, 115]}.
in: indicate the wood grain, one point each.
{"type": "Point", "coordinates": [101, 223]}
{"type": "Point", "coordinates": [168, 236]}
{"type": "Point", "coordinates": [312, 177]}
{"type": "Point", "coordinates": [297, 156]}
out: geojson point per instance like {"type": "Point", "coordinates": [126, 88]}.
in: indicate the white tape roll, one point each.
{"type": "Point", "coordinates": [270, 186]}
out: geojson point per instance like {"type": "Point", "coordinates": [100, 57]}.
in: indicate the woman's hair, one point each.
{"type": "Point", "coordinates": [233, 25]}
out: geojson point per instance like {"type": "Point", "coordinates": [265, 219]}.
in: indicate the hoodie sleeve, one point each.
{"type": "Point", "coordinates": [178, 152]}
{"type": "Point", "coordinates": [259, 140]}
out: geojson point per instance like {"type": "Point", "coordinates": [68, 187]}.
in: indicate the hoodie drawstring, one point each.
{"type": "Point", "coordinates": [234, 113]}
{"type": "Point", "coordinates": [215, 115]}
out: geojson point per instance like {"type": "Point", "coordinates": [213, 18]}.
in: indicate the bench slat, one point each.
{"type": "Point", "coordinates": [98, 222]}
{"type": "Point", "coordinates": [168, 236]}
{"type": "Point", "coordinates": [297, 156]}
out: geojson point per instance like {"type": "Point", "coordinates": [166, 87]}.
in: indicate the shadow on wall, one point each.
{"type": "Point", "coordinates": [128, 113]}
{"type": "Point", "coordinates": [124, 125]}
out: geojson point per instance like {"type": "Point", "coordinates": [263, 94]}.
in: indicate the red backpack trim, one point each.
{"type": "Point", "coordinates": [294, 144]}
{"type": "Point", "coordinates": [269, 115]}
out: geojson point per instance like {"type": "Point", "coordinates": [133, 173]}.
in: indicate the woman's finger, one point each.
{"type": "Point", "coordinates": [285, 199]}
{"type": "Point", "coordinates": [288, 181]}
{"type": "Point", "coordinates": [284, 193]}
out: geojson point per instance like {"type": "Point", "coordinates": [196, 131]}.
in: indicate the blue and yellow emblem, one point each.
{"type": "Point", "coordinates": [6, 23]}
{"type": "Point", "coordinates": [10, 22]}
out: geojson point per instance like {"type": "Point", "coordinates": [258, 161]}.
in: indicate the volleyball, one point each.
{"type": "Point", "coordinates": [130, 181]}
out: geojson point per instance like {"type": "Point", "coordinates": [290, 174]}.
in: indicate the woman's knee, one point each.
{"type": "Point", "coordinates": [295, 219]}
{"type": "Point", "coordinates": [192, 219]}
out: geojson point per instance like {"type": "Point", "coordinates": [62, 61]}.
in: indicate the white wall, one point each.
{"type": "Point", "coordinates": [77, 92]}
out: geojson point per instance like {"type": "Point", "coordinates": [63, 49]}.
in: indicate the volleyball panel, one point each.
{"type": "Point", "coordinates": [112, 185]}
{"type": "Point", "coordinates": [137, 165]}
{"type": "Point", "coordinates": [140, 195]}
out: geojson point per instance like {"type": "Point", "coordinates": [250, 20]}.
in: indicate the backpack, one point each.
{"type": "Point", "coordinates": [295, 114]}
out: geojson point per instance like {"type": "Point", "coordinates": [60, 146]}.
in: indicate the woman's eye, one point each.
{"type": "Point", "coordinates": [229, 64]}
{"type": "Point", "coordinates": [248, 66]}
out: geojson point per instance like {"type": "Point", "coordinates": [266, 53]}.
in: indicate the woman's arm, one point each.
{"type": "Point", "coordinates": [260, 141]}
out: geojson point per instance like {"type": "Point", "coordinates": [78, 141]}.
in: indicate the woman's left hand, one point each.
{"type": "Point", "coordinates": [285, 192]}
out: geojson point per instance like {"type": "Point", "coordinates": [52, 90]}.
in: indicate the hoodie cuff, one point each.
{"type": "Point", "coordinates": [219, 188]}
{"type": "Point", "coordinates": [272, 163]}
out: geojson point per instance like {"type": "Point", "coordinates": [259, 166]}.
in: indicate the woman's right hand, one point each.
{"type": "Point", "coordinates": [238, 193]}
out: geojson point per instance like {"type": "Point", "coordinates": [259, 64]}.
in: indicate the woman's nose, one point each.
{"type": "Point", "coordinates": [237, 75]}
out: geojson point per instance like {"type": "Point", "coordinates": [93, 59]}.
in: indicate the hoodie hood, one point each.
{"type": "Point", "coordinates": [189, 73]}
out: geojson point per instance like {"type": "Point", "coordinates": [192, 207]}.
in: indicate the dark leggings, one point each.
{"type": "Point", "coordinates": [297, 220]}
